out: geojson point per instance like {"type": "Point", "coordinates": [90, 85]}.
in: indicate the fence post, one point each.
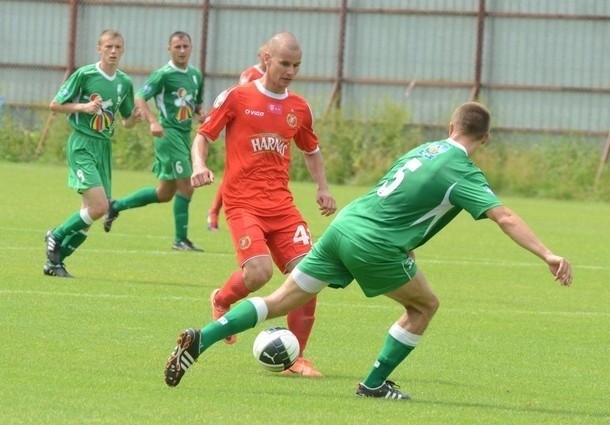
{"type": "Point", "coordinates": [203, 49]}
{"type": "Point", "coordinates": [335, 97]}
{"type": "Point", "coordinates": [70, 67]}
{"type": "Point", "coordinates": [478, 63]}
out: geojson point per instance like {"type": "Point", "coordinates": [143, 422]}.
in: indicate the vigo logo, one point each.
{"type": "Point", "coordinates": [255, 113]}
{"type": "Point", "coordinates": [269, 142]}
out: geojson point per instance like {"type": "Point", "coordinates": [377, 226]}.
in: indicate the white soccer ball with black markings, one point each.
{"type": "Point", "coordinates": [276, 349]}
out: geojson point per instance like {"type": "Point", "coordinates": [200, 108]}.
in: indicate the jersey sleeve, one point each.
{"type": "Point", "coordinates": [199, 98]}
{"type": "Point", "coordinates": [244, 78]}
{"type": "Point", "coordinates": [473, 194]}
{"type": "Point", "coordinates": [220, 115]}
{"type": "Point", "coordinates": [71, 88]}
{"type": "Point", "coordinates": [306, 139]}
{"type": "Point", "coordinates": [151, 87]}
{"type": "Point", "coordinates": [128, 103]}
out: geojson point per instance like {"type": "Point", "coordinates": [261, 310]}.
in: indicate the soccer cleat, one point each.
{"type": "Point", "coordinates": [186, 245]}
{"type": "Point", "coordinates": [386, 390]}
{"type": "Point", "coordinates": [59, 270]}
{"type": "Point", "coordinates": [183, 356]}
{"type": "Point", "coordinates": [110, 216]}
{"type": "Point", "coordinates": [53, 247]}
{"type": "Point", "coordinates": [303, 367]}
{"type": "Point", "coordinates": [212, 220]}
{"type": "Point", "coordinates": [217, 313]}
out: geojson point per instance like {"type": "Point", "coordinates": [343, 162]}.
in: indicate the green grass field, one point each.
{"type": "Point", "coordinates": [508, 345]}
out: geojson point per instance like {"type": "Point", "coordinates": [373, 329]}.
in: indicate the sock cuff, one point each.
{"type": "Point", "coordinates": [84, 215]}
{"type": "Point", "coordinates": [261, 309]}
{"type": "Point", "coordinates": [404, 336]}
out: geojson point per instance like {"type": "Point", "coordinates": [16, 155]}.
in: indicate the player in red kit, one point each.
{"type": "Point", "coordinates": [249, 74]}
{"type": "Point", "coordinates": [260, 120]}
{"type": "Point", "coordinates": [255, 71]}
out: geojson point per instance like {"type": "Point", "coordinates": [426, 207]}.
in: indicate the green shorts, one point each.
{"type": "Point", "coordinates": [338, 261]}
{"type": "Point", "coordinates": [89, 162]}
{"type": "Point", "coordinates": [173, 155]}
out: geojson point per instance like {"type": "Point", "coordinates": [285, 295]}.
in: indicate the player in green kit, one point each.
{"type": "Point", "coordinates": [370, 242]}
{"type": "Point", "coordinates": [177, 89]}
{"type": "Point", "coordinates": [92, 97]}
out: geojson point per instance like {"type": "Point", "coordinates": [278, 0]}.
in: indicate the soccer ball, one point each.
{"type": "Point", "coordinates": [276, 349]}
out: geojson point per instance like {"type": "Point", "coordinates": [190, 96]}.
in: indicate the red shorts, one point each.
{"type": "Point", "coordinates": [286, 236]}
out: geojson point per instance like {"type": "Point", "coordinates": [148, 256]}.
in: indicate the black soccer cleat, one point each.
{"type": "Point", "coordinates": [183, 356]}
{"type": "Point", "coordinates": [387, 390]}
{"type": "Point", "coordinates": [110, 216]}
{"type": "Point", "coordinates": [53, 249]}
{"type": "Point", "coordinates": [186, 245]}
{"type": "Point", "coordinates": [58, 270]}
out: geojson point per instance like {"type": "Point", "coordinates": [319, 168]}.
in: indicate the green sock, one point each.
{"type": "Point", "coordinates": [69, 244]}
{"type": "Point", "coordinates": [243, 316]}
{"type": "Point", "coordinates": [72, 225]}
{"type": "Point", "coordinates": [392, 354]}
{"type": "Point", "coordinates": [144, 196]}
{"type": "Point", "coordinates": [181, 216]}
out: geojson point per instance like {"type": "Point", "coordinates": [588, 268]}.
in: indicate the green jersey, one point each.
{"type": "Point", "coordinates": [423, 191]}
{"type": "Point", "coordinates": [88, 83]}
{"type": "Point", "coordinates": [177, 92]}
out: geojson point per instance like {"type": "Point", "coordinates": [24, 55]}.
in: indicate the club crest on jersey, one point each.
{"type": "Point", "coordinates": [291, 120]}
{"type": "Point", "coordinates": [433, 150]}
{"type": "Point", "coordinates": [245, 242]}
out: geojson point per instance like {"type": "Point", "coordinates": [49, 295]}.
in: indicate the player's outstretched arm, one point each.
{"type": "Point", "coordinates": [519, 231]}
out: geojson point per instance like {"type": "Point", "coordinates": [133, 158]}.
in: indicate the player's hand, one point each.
{"type": "Point", "coordinates": [327, 203]}
{"type": "Point", "coordinates": [139, 114]}
{"type": "Point", "coordinates": [156, 129]}
{"type": "Point", "coordinates": [92, 107]}
{"type": "Point", "coordinates": [561, 269]}
{"type": "Point", "coordinates": [202, 176]}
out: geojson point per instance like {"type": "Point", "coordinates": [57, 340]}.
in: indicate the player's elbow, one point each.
{"type": "Point", "coordinates": [504, 217]}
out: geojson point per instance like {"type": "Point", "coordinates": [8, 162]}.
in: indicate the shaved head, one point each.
{"type": "Point", "coordinates": [281, 41]}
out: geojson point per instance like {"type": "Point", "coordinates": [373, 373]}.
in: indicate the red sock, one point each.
{"type": "Point", "coordinates": [300, 322]}
{"type": "Point", "coordinates": [232, 291]}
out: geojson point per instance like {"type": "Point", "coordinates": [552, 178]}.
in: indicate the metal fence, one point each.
{"type": "Point", "coordinates": [540, 65]}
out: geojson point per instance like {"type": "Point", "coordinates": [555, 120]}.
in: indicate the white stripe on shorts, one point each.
{"type": "Point", "coordinates": [306, 282]}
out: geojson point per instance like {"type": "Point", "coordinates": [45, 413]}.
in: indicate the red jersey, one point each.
{"type": "Point", "coordinates": [260, 126]}
{"type": "Point", "coordinates": [250, 74]}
